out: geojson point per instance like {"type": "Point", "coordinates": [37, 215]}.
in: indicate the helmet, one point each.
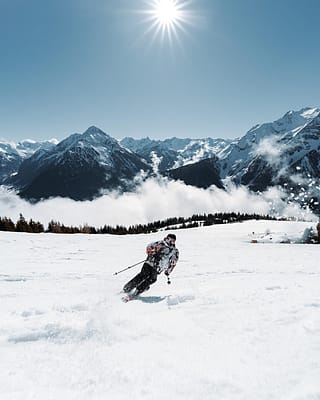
{"type": "Point", "coordinates": [170, 239]}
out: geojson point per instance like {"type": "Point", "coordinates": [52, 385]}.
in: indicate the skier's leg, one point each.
{"type": "Point", "coordinates": [140, 277]}
{"type": "Point", "coordinates": [133, 283]}
{"type": "Point", "coordinates": [149, 280]}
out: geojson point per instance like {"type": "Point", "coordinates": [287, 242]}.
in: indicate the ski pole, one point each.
{"type": "Point", "coordinates": [131, 266]}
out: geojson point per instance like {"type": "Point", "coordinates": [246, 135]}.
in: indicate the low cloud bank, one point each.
{"type": "Point", "coordinates": [156, 199]}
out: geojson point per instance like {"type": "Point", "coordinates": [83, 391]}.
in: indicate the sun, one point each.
{"type": "Point", "coordinates": [166, 12]}
{"type": "Point", "coordinates": [167, 18]}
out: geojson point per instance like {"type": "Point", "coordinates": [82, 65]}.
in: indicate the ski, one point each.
{"type": "Point", "coordinates": [128, 297]}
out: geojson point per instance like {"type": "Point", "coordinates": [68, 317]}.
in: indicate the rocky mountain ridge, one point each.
{"type": "Point", "coordinates": [283, 153]}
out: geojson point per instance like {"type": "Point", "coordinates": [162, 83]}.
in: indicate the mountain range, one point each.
{"type": "Point", "coordinates": [12, 155]}
{"type": "Point", "coordinates": [283, 153]}
{"type": "Point", "coordinates": [80, 167]}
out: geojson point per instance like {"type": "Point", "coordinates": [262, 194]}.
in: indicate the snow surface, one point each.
{"type": "Point", "coordinates": [240, 320]}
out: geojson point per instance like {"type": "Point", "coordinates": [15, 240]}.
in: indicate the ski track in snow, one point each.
{"type": "Point", "coordinates": [239, 321]}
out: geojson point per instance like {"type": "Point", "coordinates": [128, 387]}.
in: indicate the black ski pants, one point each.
{"type": "Point", "coordinates": [142, 281]}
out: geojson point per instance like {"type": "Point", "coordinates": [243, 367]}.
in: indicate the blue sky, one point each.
{"type": "Point", "coordinates": [69, 64]}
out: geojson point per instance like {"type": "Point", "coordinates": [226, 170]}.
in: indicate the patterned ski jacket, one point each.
{"type": "Point", "coordinates": [162, 256]}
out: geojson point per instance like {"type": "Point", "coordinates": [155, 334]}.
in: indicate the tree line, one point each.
{"type": "Point", "coordinates": [197, 220]}
{"type": "Point", "coordinates": [22, 225]}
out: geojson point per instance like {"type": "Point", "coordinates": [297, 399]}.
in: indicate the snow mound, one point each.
{"type": "Point", "coordinates": [306, 236]}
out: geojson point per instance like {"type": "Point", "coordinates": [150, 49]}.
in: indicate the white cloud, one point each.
{"type": "Point", "coordinates": [299, 179]}
{"type": "Point", "coordinates": [270, 149]}
{"type": "Point", "coordinates": [156, 199]}
{"type": "Point", "coordinates": [156, 160]}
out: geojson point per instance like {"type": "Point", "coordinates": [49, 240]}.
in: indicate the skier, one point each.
{"type": "Point", "coordinates": [162, 256]}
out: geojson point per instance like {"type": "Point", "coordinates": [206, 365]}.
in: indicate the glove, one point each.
{"type": "Point", "coordinates": [151, 251]}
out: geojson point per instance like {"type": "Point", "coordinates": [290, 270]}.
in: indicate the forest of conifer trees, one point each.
{"type": "Point", "coordinates": [197, 220]}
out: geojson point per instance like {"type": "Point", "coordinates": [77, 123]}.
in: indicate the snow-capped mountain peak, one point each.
{"type": "Point", "coordinates": [95, 135]}
{"type": "Point", "coordinates": [28, 147]}
{"type": "Point", "coordinates": [282, 130]}
{"type": "Point", "coordinates": [12, 154]}
{"type": "Point", "coordinates": [78, 167]}
{"type": "Point", "coordinates": [176, 152]}
{"type": "Point", "coordinates": [310, 112]}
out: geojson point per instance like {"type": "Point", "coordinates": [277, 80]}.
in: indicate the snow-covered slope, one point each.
{"type": "Point", "coordinates": [240, 321]}
{"type": "Point", "coordinates": [175, 152]}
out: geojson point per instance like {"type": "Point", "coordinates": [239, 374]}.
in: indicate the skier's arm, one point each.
{"type": "Point", "coordinates": [153, 248]}
{"type": "Point", "coordinates": [173, 262]}
{"type": "Point", "coordinates": [153, 252]}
